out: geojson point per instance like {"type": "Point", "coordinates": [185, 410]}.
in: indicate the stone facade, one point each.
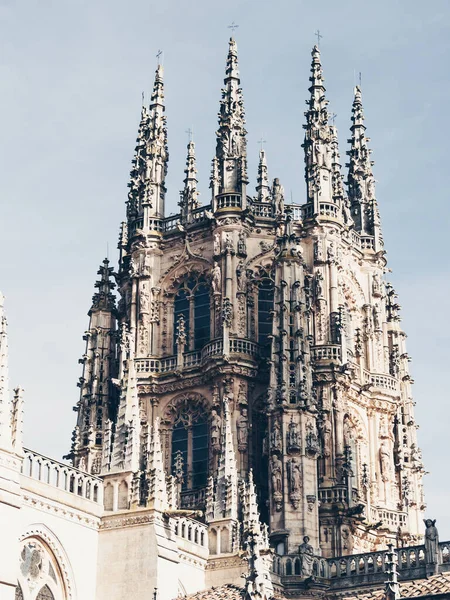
{"type": "Point", "coordinates": [245, 406]}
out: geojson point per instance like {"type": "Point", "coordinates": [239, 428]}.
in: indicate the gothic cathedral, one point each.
{"type": "Point", "coordinates": [245, 396]}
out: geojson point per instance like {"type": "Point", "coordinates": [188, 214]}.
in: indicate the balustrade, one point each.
{"type": "Point", "coordinates": [190, 530]}
{"type": "Point", "coordinates": [263, 210]}
{"type": "Point", "coordinates": [229, 201]}
{"type": "Point", "coordinates": [62, 476]}
{"type": "Point", "coordinates": [331, 352]}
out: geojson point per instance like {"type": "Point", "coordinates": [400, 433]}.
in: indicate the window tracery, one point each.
{"type": "Point", "coordinates": [192, 302]}
{"type": "Point", "coordinates": [40, 575]}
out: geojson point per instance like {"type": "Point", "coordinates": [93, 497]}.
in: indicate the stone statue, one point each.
{"type": "Point", "coordinates": [216, 424]}
{"type": "Point", "coordinates": [275, 438]}
{"type": "Point", "coordinates": [348, 431]}
{"type": "Point", "coordinates": [144, 299]}
{"type": "Point", "coordinates": [318, 285]}
{"type": "Point", "coordinates": [146, 268]}
{"type": "Point", "coordinates": [293, 436]}
{"type": "Point", "coordinates": [241, 247]}
{"type": "Point", "coordinates": [216, 280]}
{"type": "Point", "coordinates": [242, 430]}
{"type": "Point", "coordinates": [241, 277]}
{"type": "Point", "coordinates": [385, 461]}
{"type": "Point", "coordinates": [294, 476]}
{"type": "Point", "coordinates": [318, 250]}
{"type": "Point", "coordinates": [276, 475]}
{"type": "Point", "coordinates": [278, 196]}
{"type": "Point", "coordinates": [228, 243]}
{"type": "Point", "coordinates": [216, 244]}
{"type": "Point", "coordinates": [326, 432]}
{"type": "Point", "coordinates": [376, 287]}
{"type": "Point", "coordinates": [431, 542]}
{"type": "Point", "coordinates": [306, 553]}
{"type": "Point", "coordinates": [376, 317]}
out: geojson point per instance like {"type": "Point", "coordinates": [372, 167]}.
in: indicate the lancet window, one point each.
{"type": "Point", "coordinates": [265, 317]}
{"type": "Point", "coordinates": [192, 303]}
{"type": "Point", "coordinates": [40, 575]}
{"type": "Point", "coordinates": [190, 447]}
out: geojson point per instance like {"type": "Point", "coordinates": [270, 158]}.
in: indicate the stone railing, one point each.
{"type": "Point", "coordinates": [227, 201]}
{"type": "Point", "coordinates": [390, 518]}
{"type": "Point", "coordinates": [171, 222]}
{"type": "Point", "coordinates": [62, 476]}
{"type": "Point", "coordinates": [263, 210]}
{"type": "Point", "coordinates": [330, 352]}
{"type": "Point", "coordinates": [296, 211]}
{"type": "Point", "coordinates": [365, 568]}
{"type": "Point", "coordinates": [191, 531]}
{"type": "Point", "coordinates": [381, 381]}
{"type": "Point", "coordinates": [199, 214]}
{"type": "Point", "coordinates": [333, 495]}
{"type": "Point", "coordinates": [328, 210]}
{"type": "Point", "coordinates": [169, 364]}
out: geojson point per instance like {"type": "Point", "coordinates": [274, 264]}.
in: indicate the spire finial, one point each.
{"type": "Point", "coordinates": [189, 195]}
{"type": "Point", "coordinates": [263, 185]}
{"type": "Point", "coordinates": [319, 36]}
{"type": "Point", "coordinates": [5, 404]}
{"type": "Point", "coordinates": [233, 26]}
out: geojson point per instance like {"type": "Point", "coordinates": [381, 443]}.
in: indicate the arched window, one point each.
{"type": "Point", "coordinates": [40, 576]}
{"type": "Point", "coordinates": [201, 316]}
{"type": "Point", "coordinates": [265, 318]}
{"type": "Point", "coordinates": [192, 302]}
{"type": "Point", "coordinates": [190, 441]}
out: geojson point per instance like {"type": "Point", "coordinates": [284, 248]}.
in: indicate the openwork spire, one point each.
{"type": "Point", "coordinates": [189, 195]}
{"type": "Point", "coordinates": [263, 185]}
{"type": "Point", "coordinates": [5, 404]}
{"type": "Point", "coordinates": [231, 149]}
{"type": "Point", "coordinates": [339, 195]}
{"type": "Point", "coordinates": [361, 182]}
{"type": "Point", "coordinates": [317, 143]}
{"type": "Point", "coordinates": [392, 591]}
{"type": "Point", "coordinates": [147, 178]}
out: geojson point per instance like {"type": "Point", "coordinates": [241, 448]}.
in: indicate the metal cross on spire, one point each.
{"type": "Point", "coordinates": [319, 37]}
{"type": "Point", "coordinates": [190, 133]}
{"type": "Point", "coordinates": [262, 141]}
{"type": "Point", "coordinates": [233, 26]}
{"type": "Point", "coordinates": [332, 118]}
{"type": "Point", "coordinates": [158, 56]}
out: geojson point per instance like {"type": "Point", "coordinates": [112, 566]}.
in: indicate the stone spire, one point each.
{"type": "Point", "coordinates": [339, 195]}
{"type": "Point", "coordinates": [361, 182]}
{"type": "Point", "coordinates": [263, 186]}
{"type": "Point", "coordinates": [126, 445]}
{"type": "Point", "coordinates": [156, 480]}
{"type": "Point", "coordinates": [392, 591]}
{"type": "Point", "coordinates": [230, 165]}
{"type": "Point", "coordinates": [258, 581]}
{"type": "Point", "coordinates": [98, 396]}
{"type": "Point", "coordinates": [17, 421]}
{"type": "Point", "coordinates": [5, 404]}
{"type": "Point", "coordinates": [317, 143]}
{"type": "Point", "coordinates": [147, 178]}
{"type": "Point", "coordinates": [227, 476]}
{"type": "Point", "coordinates": [189, 195]}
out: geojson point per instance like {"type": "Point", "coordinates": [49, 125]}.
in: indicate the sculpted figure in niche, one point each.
{"type": "Point", "coordinates": [216, 244]}
{"type": "Point", "coordinates": [241, 248]}
{"type": "Point", "coordinates": [293, 437]}
{"type": "Point", "coordinates": [294, 474]}
{"type": "Point", "coordinates": [326, 432]}
{"type": "Point", "coordinates": [216, 280]}
{"type": "Point", "coordinates": [385, 461]}
{"type": "Point", "coordinates": [146, 265]}
{"type": "Point", "coordinates": [276, 436]}
{"type": "Point", "coordinates": [431, 542]}
{"type": "Point", "coordinates": [216, 424]}
{"type": "Point", "coordinates": [306, 553]}
{"type": "Point", "coordinates": [144, 299]}
{"type": "Point", "coordinates": [318, 250]}
{"type": "Point", "coordinates": [376, 317]}
{"type": "Point", "coordinates": [376, 287]}
{"type": "Point", "coordinates": [276, 475]}
{"type": "Point", "coordinates": [242, 430]}
{"type": "Point", "coordinates": [348, 431]}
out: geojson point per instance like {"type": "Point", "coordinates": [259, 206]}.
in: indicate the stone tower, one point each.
{"type": "Point", "coordinates": [254, 336]}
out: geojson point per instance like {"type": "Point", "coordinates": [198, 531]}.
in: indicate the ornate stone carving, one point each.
{"type": "Point", "coordinates": [215, 431]}
{"type": "Point", "coordinates": [216, 279]}
{"type": "Point", "coordinates": [294, 473]}
{"type": "Point", "coordinates": [276, 472]}
{"type": "Point", "coordinates": [306, 553]}
{"type": "Point", "coordinates": [242, 430]}
{"type": "Point", "coordinates": [293, 441]}
{"type": "Point", "coordinates": [227, 312]}
{"type": "Point", "coordinates": [276, 444]}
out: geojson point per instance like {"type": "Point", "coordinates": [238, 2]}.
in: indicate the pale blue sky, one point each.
{"type": "Point", "coordinates": [72, 72]}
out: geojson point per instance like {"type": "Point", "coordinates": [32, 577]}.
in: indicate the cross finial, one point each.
{"type": "Point", "coordinates": [233, 26]}
{"type": "Point", "coordinates": [143, 98]}
{"type": "Point", "coordinates": [333, 117]}
{"type": "Point", "coordinates": [360, 78]}
{"type": "Point", "coordinates": [261, 142]}
{"type": "Point", "coordinates": [190, 133]}
{"type": "Point", "coordinates": [158, 56]}
{"type": "Point", "coordinates": [319, 37]}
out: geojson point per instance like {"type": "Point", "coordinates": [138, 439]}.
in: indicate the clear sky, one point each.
{"type": "Point", "coordinates": [71, 76]}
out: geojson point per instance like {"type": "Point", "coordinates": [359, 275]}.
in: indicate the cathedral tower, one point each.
{"type": "Point", "coordinates": [258, 355]}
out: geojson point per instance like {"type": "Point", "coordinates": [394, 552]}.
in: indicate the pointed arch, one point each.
{"type": "Point", "coordinates": [50, 541]}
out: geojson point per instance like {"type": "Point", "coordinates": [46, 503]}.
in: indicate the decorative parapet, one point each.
{"type": "Point", "coordinates": [62, 476]}
{"type": "Point", "coordinates": [352, 571]}
{"type": "Point", "coordinates": [237, 346]}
